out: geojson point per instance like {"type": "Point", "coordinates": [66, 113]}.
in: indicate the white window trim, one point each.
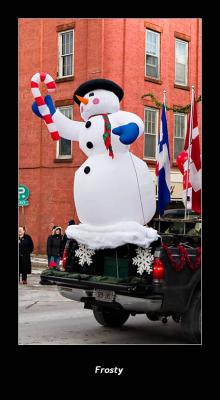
{"type": "Point", "coordinates": [60, 66]}
{"type": "Point", "coordinates": [184, 137]}
{"type": "Point", "coordinates": [156, 134]}
{"type": "Point", "coordinates": [187, 66]}
{"type": "Point", "coordinates": [158, 35]}
{"type": "Point", "coordinates": [60, 156]}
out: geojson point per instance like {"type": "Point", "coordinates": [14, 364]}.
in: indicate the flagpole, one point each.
{"type": "Point", "coordinates": [189, 149]}
{"type": "Point", "coordinates": [164, 98]}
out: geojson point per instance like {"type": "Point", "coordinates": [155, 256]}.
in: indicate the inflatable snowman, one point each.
{"type": "Point", "coordinates": [113, 189]}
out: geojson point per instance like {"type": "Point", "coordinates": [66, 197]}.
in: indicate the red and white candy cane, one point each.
{"type": "Point", "coordinates": [43, 108]}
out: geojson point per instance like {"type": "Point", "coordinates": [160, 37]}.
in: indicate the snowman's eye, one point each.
{"type": "Point", "coordinates": [91, 94]}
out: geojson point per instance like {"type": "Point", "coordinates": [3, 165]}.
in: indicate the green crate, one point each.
{"type": "Point", "coordinates": [116, 266]}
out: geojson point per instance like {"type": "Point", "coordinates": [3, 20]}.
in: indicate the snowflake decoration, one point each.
{"type": "Point", "coordinates": [85, 254]}
{"type": "Point", "coordinates": [143, 260]}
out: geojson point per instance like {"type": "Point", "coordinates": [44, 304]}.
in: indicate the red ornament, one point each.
{"type": "Point", "coordinates": [52, 265]}
{"type": "Point", "coordinates": [180, 160]}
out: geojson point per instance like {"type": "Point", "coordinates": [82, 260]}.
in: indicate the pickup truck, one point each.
{"type": "Point", "coordinates": [161, 282]}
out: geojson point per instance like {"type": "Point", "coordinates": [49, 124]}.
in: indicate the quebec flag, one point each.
{"type": "Point", "coordinates": [163, 155]}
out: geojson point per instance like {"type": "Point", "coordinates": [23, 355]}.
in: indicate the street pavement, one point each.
{"type": "Point", "coordinates": [47, 318]}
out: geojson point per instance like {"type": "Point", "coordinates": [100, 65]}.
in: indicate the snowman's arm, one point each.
{"type": "Point", "coordinates": [128, 126]}
{"type": "Point", "coordinates": [67, 128]}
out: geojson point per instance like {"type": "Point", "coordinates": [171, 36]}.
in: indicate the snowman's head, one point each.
{"type": "Point", "coordinates": [98, 101]}
{"type": "Point", "coordinates": [98, 96]}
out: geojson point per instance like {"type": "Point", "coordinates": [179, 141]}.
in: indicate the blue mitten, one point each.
{"type": "Point", "coordinates": [128, 133]}
{"type": "Point", "coordinates": [49, 102]}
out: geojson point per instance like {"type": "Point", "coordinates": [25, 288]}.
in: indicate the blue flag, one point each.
{"type": "Point", "coordinates": [163, 165]}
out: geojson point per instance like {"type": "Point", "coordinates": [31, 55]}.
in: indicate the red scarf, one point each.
{"type": "Point", "coordinates": [107, 133]}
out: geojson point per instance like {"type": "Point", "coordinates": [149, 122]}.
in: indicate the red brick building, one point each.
{"type": "Point", "coordinates": [144, 56]}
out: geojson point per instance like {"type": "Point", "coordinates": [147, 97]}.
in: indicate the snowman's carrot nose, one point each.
{"type": "Point", "coordinates": [82, 99]}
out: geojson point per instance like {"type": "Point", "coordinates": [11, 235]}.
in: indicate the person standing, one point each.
{"type": "Point", "coordinates": [64, 240]}
{"type": "Point", "coordinates": [49, 239]}
{"type": "Point", "coordinates": [54, 245]}
{"type": "Point", "coordinates": [26, 247]}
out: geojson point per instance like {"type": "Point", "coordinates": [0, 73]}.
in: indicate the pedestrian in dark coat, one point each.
{"type": "Point", "coordinates": [54, 245]}
{"type": "Point", "coordinates": [26, 247]}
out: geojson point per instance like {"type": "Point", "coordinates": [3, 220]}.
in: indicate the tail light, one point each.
{"type": "Point", "coordinates": [158, 270]}
{"type": "Point", "coordinates": [65, 254]}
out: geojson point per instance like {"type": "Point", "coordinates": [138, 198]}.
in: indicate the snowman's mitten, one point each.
{"type": "Point", "coordinates": [128, 133]}
{"type": "Point", "coordinates": [35, 109]}
{"type": "Point", "coordinates": [49, 102]}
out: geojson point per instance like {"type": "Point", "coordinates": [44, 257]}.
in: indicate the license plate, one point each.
{"type": "Point", "coordinates": [104, 295]}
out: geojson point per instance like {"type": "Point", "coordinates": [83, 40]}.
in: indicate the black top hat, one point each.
{"type": "Point", "coordinates": [98, 84]}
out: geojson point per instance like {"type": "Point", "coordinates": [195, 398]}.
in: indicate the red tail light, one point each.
{"type": "Point", "coordinates": [158, 269]}
{"type": "Point", "coordinates": [65, 254]}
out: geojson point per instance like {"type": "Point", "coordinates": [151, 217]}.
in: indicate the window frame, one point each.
{"type": "Point", "coordinates": [157, 111]}
{"type": "Point", "coordinates": [187, 63]}
{"type": "Point", "coordinates": [159, 54]}
{"type": "Point", "coordinates": [60, 57]}
{"type": "Point", "coordinates": [58, 155]}
{"type": "Point", "coordinates": [185, 129]}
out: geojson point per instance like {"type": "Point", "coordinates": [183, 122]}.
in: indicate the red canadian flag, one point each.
{"type": "Point", "coordinates": [192, 176]}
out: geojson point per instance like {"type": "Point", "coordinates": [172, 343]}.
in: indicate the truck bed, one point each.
{"type": "Point", "coordinates": [174, 290]}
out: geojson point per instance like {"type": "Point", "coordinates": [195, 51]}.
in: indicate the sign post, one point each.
{"type": "Point", "coordinates": [23, 194]}
{"type": "Point", "coordinates": [22, 213]}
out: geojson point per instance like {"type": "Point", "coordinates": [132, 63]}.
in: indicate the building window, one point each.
{"type": "Point", "coordinates": [181, 62]}
{"type": "Point", "coordinates": [64, 146]}
{"type": "Point", "coordinates": [152, 54]}
{"type": "Point", "coordinates": [179, 133]}
{"type": "Point", "coordinates": [150, 132]}
{"type": "Point", "coordinates": [66, 52]}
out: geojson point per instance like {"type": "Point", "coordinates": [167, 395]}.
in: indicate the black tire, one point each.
{"type": "Point", "coordinates": [111, 318]}
{"type": "Point", "coordinates": [191, 320]}
{"type": "Point", "coordinates": [176, 318]}
{"type": "Point", "coordinates": [152, 317]}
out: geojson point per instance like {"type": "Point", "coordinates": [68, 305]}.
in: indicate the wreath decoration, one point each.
{"type": "Point", "coordinates": [184, 258]}
{"type": "Point", "coordinates": [184, 109]}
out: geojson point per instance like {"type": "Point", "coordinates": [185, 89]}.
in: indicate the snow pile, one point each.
{"type": "Point", "coordinates": [112, 236]}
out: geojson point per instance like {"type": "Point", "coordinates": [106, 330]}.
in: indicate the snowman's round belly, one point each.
{"type": "Point", "coordinates": [106, 191]}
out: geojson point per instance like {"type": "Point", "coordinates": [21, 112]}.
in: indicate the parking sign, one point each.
{"type": "Point", "coordinates": [23, 194]}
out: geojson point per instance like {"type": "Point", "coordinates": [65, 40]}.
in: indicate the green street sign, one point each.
{"type": "Point", "coordinates": [23, 203]}
{"type": "Point", "coordinates": [23, 194]}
